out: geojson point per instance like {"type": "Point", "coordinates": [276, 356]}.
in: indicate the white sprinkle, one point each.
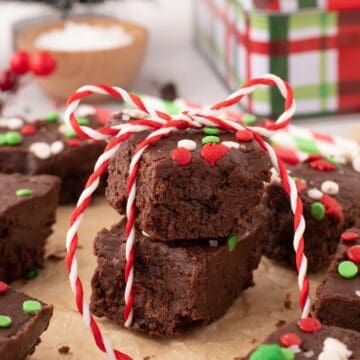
{"type": "Point", "coordinates": [57, 147]}
{"type": "Point", "coordinates": [334, 349]}
{"type": "Point", "coordinates": [357, 293]}
{"type": "Point", "coordinates": [135, 113]}
{"type": "Point", "coordinates": [11, 123]}
{"type": "Point", "coordinates": [213, 243]}
{"type": "Point", "coordinates": [309, 354]}
{"type": "Point", "coordinates": [295, 349]}
{"type": "Point", "coordinates": [330, 187]}
{"type": "Point", "coordinates": [145, 233]}
{"type": "Point", "coordinates": [314, 194]}
{"type": "Point", "coordinates": [41, 150]}
{"type": "Point", "coordinates": [356, 163]}
{"type": "Point", "coordinates": [85, 110]}
{"type": "Point", "coordinates": [340, 158]}
{"type": "Point", "coordinates": [187, 144]}
{"type": "Point", "coordinates": [125, 117]}
{"type": "Point", "coordinates": [82, 36]}
{"type": "Point", "coordinates": [231, 144]}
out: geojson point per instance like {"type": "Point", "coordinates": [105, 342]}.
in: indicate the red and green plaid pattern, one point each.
{"type": "Point", "coordinates": [315, 50]}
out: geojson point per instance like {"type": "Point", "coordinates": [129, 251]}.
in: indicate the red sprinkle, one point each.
{"type": "Point", "coordinates": [322, 165]}
{"type": "Point", "coordinates": [332, 207]}
{"type": "Point", "coordinates": [3, 287]}
{"type": "Point", "coordinates": [309, 325]}
{"type": "Point", "coordinates": [290, 339]}
{"type": "Point", "coordinates": [353, 254]}
{"type": "Point", "coordinates": [300, 185]}
{"type": "Point", "coordinates": [181, 155]}
{"type": "Point", "coordinates": [244, 135]}
{"type": "Point", "coordinates": [28, 130]}
{"type": "Point", "coordinates": [349, 236]}
{"type": "Point", "coordinates": [73, 142]}
{"type": "Point", "coordinates": [313, 157]}
{"type": "Point", "coordinates": [213, 152]}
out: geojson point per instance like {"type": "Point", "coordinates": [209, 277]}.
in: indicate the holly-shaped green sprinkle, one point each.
{"type": "Point", "coordinates": [317, 210]}
{"type": "Point", "coordinates": [331, 160]}
{"type": "Point", "coordinates": [272, 352]}
{"type": "Point", "coordinates": [32, 274]}
{"type": "Point", "coordinates": [31, 306]}
{"type": "Point", "coordinates": [83, 121]}
{"type": "Point", "coordinates": [210, 139]}
{"type": "Point", "coordinates": [5, 321]}
{"type": "Point", "coordinates": [52, 116]}
{"type": "Point", "coordinates": [210, 131]}
{"type": "Point", "coordinates": [70, 133]}
{"type": "Point", "coordinates": [13, 138]}
{"type": "Point", "coordinates": [24, 192]}
{"type": "Point", "coordinates": [2, 139]}
{"type": "Point", "coordinates": [249, 119]}
{"type": "Point", "coordinates": [347, 269]}
{"type": "Point", "coordinates": [232, 241]}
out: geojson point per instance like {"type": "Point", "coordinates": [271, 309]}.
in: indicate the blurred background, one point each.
{"type": "Point", "coordinates": [198, 50]}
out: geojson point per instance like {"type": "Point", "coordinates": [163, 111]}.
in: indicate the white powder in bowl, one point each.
{"type": "Point", "coordinates": [83, 37]}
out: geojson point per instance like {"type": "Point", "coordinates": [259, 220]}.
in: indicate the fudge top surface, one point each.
{"type": "Point", "coordinates": [16, 189]}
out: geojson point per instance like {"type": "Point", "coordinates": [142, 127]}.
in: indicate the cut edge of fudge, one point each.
{"type": "Point", "coordinates": [19, 339]}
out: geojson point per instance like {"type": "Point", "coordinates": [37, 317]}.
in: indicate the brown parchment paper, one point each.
{"type": "Point", "coordinates": [253, 316]}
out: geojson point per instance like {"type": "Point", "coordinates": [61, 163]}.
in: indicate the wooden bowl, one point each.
{"type": "Point", "coordinates": [116, 66]}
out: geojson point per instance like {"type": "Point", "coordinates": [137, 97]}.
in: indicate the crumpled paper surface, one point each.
{"type": "Point", "coordinates": [253, 316]}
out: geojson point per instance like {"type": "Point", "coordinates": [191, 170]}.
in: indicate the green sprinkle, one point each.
{"type": "Point", "coordinates": [32, 274]}
{"type": "Point", "coordinates": [5, 321]}
{"type": "Point", "coordinates": [272, 352]}
{"type": "Point", "coordinates": [306, 145]}
{"type": "Point", "coordinates": [210, 139]}
{"type": "Point", "coordinates": [70, 134]}
{"type": "Point", "coordinates": [2, 139]}
{"type": "Point", "coordinates": [83, 121]}
{"type": "Point", "coordinates": [331, 160]}
{"type": "Point", "coordinates": [210, 131]}
{"type": "Point", "coordinates": [52, 116]}
{"type": "Point", "coordinates": [24, 192]}
{"type": "Point", "coordinates": [13, 138]}
{"type": "Point", "coordinates": [232, 241]}
{"type": "Point", "coordinates": [317, 210]}
{"type": "Point", "coordinates": [249, 119]}
{"type": "Point", "coordinates": [347, 269]}
{"type": "Point", "coordinates": [31, 306]}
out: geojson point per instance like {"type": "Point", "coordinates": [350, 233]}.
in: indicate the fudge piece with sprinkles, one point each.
{"type": "Point", "coordinates": [331, 205]}
{"type": "Point", "coordinates": [178, 285]}
{"type": "Point", "coordinates": [338, 296]}
{"type": "Point", "coordinates": [308, 339]}
{"type": "Point", "coordinates": [48, 147]}
{"type": "Point", "coordinates": [27, 213]}
{"type": "Point", "coordinates": [22, 321]}
{"type": "Point", "coordinates": [192, 185]}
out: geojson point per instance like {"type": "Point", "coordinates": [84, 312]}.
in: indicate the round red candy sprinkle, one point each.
{"type": "Point", "coordinates": [28, 130]}
{"type": "Point", "coordinates": [244, 135]}
{"type": "Point", "coordinates": [322, 165]}
{"type": "Point", "coordinates": [73, 142]}
{"type": "Point", "coordinates": [182, 156]}
{"type": "Point", "coordinates": [349, 236]}
{"type": "Point", "coordinates": [353, 254]}
{"type": "Point", "coordinates": [290, 339]}
{"type": "Point", "coordinates": [3, 287]}
{"type": "Point", "coordinates": [309, 325]}
{"type": "Point", "coordinates": [213, 152]}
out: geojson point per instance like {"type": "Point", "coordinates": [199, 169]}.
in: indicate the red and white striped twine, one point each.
{"type": "Point", "coordinates": [160, 124]}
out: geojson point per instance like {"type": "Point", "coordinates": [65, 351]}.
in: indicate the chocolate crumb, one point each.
{"type": "Point", "coordinates": [168, 92]}
{"type": "Point", "coordinates": [64, 350]}
{"type": "Point", "coordinates": [287, 302]}
{"type": "Point", "coordinates": [253, 341]}
{"type": "Point", "coordinates": [280, 323]}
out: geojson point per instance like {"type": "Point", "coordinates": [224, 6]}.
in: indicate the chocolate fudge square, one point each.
{"type": "Point", "coordinates": [209, 191]}
{"type": "Point", "coordinates": [27, 213]}
{"type": "Point", "coordinates": [324, 343]}
{"type": "Point", "coordinates": [178, 285]}
{"type": "Point", "coordinates": [48, 147]}
{"type": "Point", "coordinates": [22, 321]}
{"type": "Point", "coordinates": [338, 296]}
{"type": "Point", "coordinates": [331, 201]}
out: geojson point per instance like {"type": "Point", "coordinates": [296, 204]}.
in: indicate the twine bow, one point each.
{"type": "Point", "coordinates": [160, 124]}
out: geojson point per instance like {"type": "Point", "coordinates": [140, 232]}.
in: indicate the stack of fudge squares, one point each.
{"type": "Point", "coordinates": [200, 227]}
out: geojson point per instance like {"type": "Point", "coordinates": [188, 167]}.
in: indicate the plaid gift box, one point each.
{"type": "Point", "coordinates": [314, 44]}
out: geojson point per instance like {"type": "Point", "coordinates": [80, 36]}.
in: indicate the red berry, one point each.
{"type": "Point", "coordinates": [42, 63]}
{"type": "Point", "coordinates": [7, 80]}
{"type": "Point", "coordinates": [290, 339]}
{"type": "Point", "coordinates": [19, 62]}
{"type": "Point", "coordinates": [244, 135]}
{"type": "Point", "coordinates": [349, 236]}
{"type": "Point", "coordinates": [181, 155]}
{"type": "Point", "coordinates": [3, 287]}
{"type": "Point", "coordinates": [309, 325]}
{"type": "Point", "coordinates": [322, 165]}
